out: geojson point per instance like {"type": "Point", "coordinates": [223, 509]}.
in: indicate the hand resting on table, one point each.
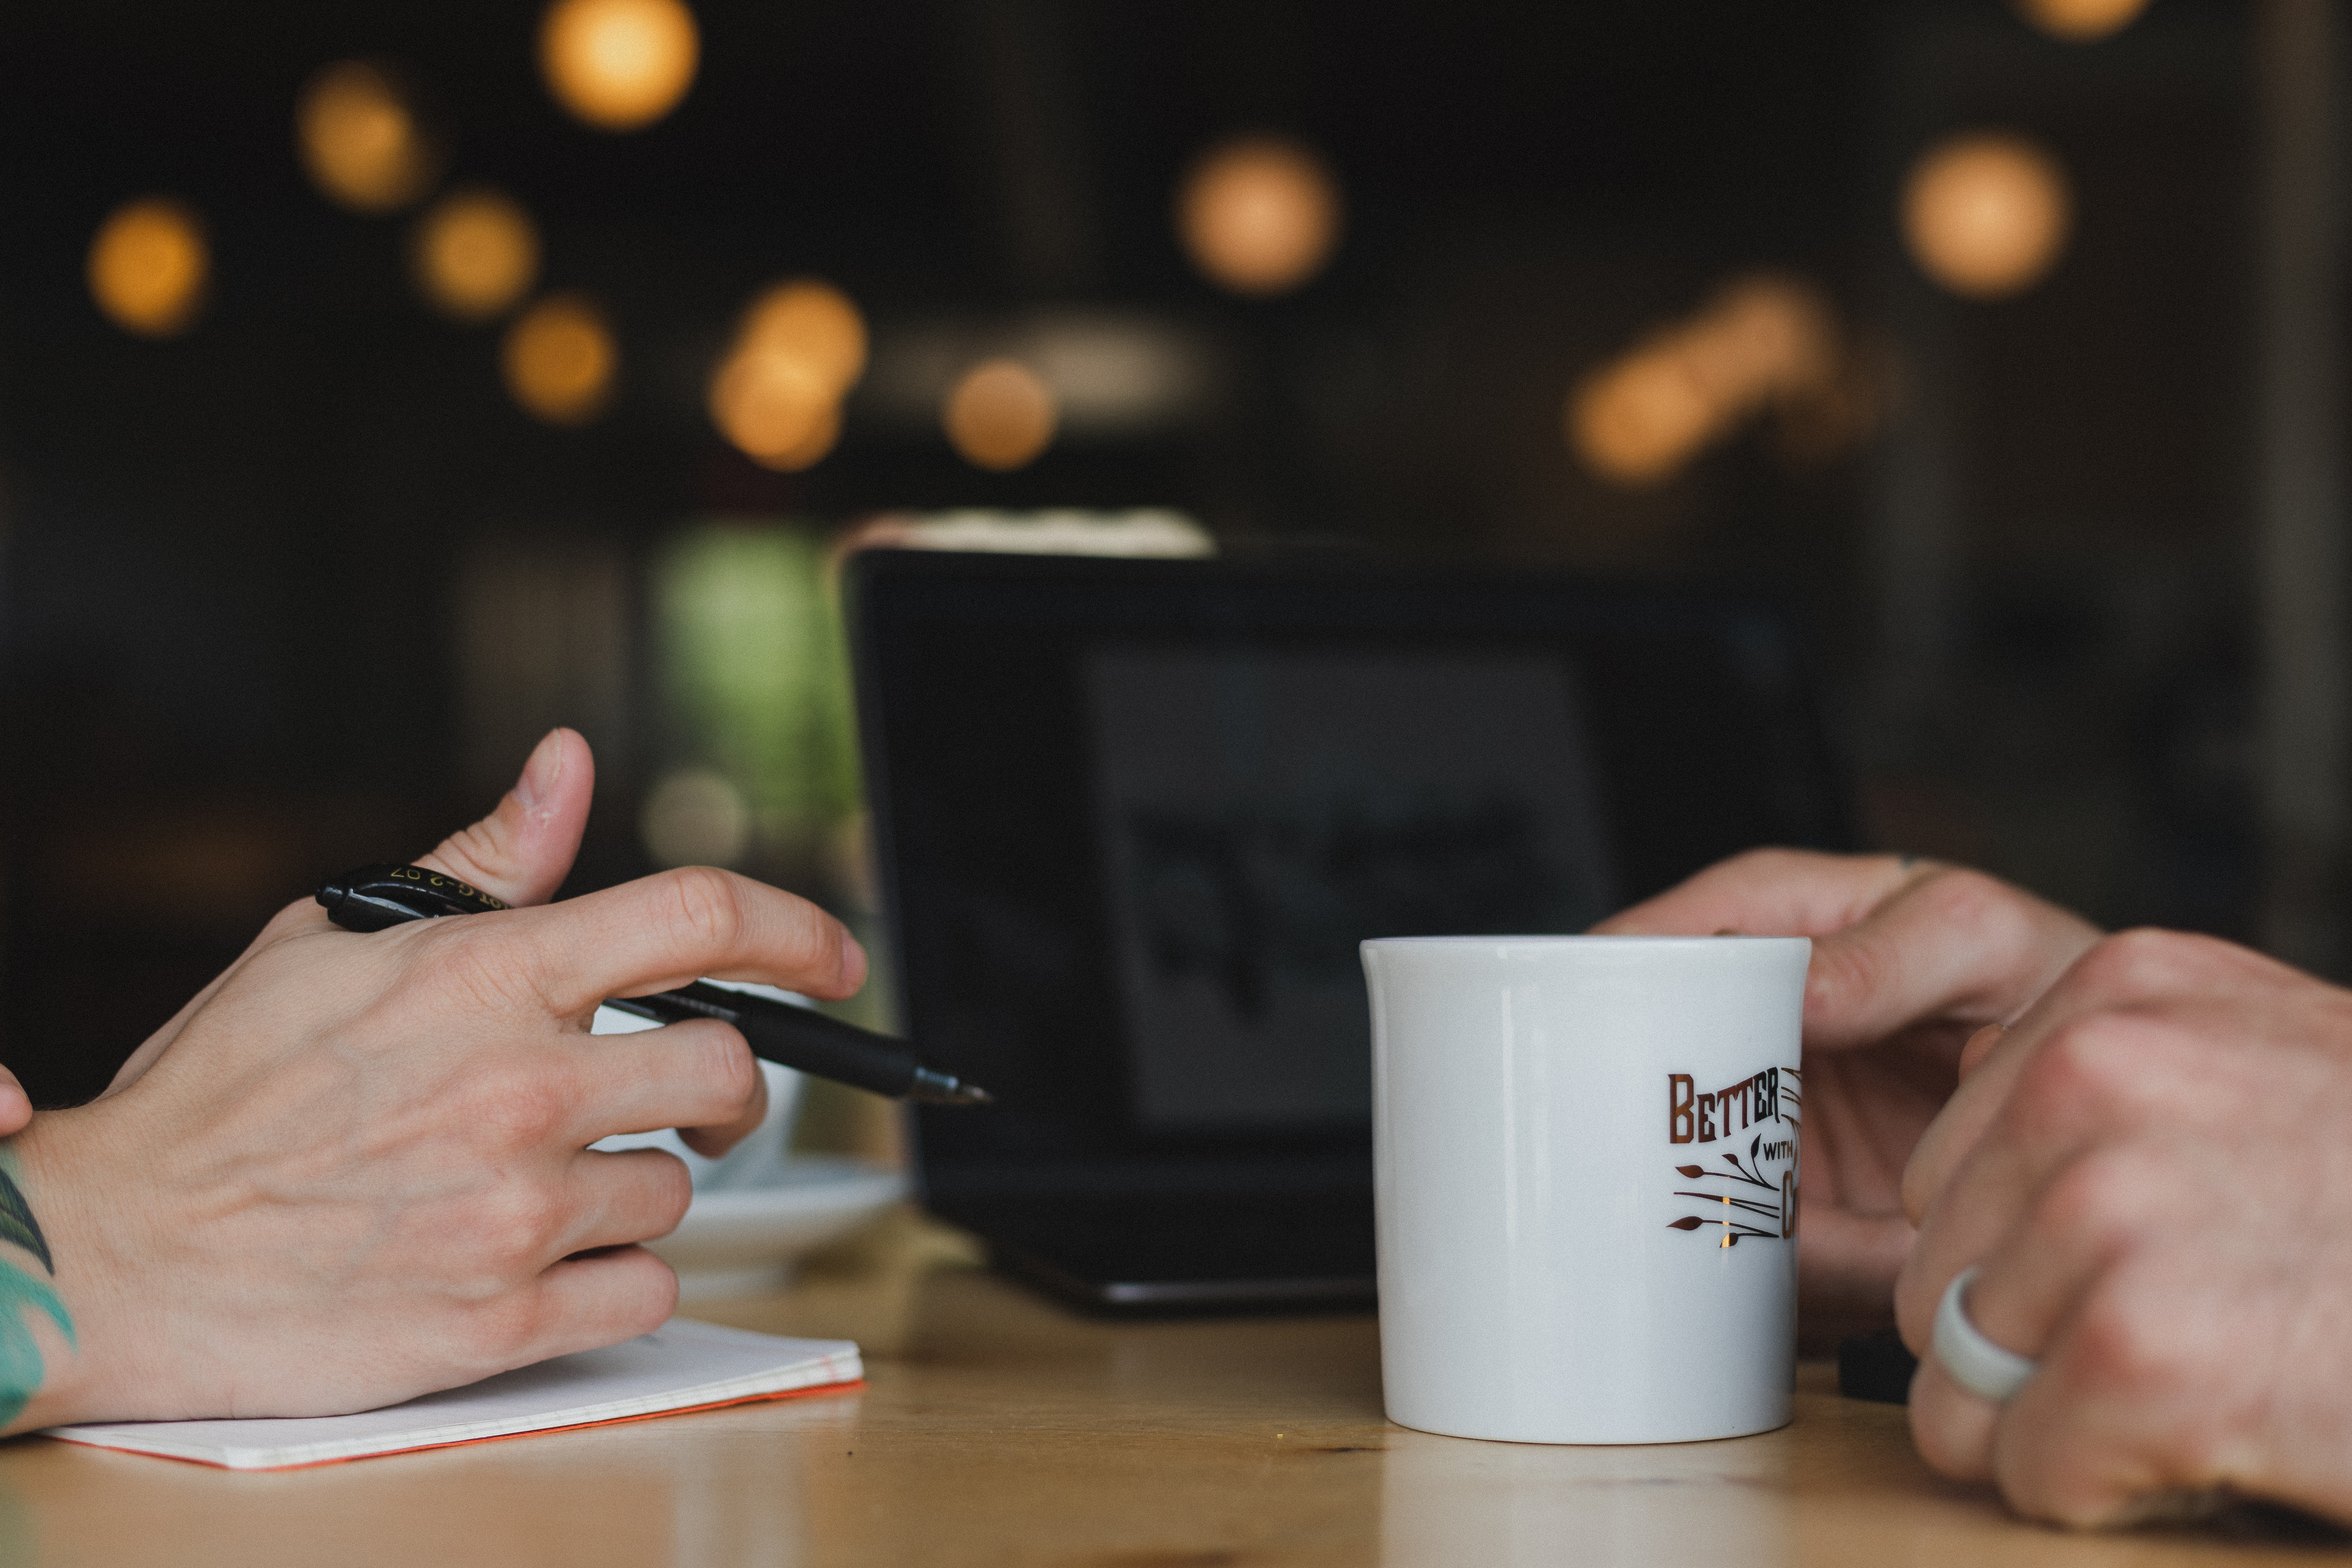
{"type": "Point", "coordinates": [2153, 1172]}
{"type": "Point", "coordinates": [2148, 1166]}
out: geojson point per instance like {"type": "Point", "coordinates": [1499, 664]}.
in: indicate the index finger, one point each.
{"type": "Point", "coordinates": [1950, 945]}
{"type": "Point", "coordinates": [1769, 892]}
{"type": "Point", "coordinates": [661, 931]}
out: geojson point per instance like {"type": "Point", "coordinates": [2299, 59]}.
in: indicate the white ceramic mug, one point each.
{"type": "Point", "coordinates": [1586, 1158]}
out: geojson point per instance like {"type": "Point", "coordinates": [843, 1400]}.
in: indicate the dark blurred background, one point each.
{"type": "Point", "coordinates": [2000, 343]}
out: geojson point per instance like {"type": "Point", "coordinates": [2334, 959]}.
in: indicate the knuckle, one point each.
{"type": "Point", "coordinates": [671, 1188]}
{"type": "Point", "coordinates": [1768, 862]}
{"type": "Point", "coordinates": [1774, 865]}
{"type": "Point", "coordinates": [2130, 965]}
{"type": "Point", "coordinates": [709, 905]}
{"type": "Point", "coordinates": [522, 1107]}
{"type": "Point", "coordinates": [2127, 1346]}
{"type": "Point", "coordinates": [1848, 973]}
{"type": "Point", "coordinates": [1982, 910]}
{"type": "Point", "coordinates": [2082, 1072]}
{"type": "Point", "coordinates": [516, 1227]}
{"type": "Point", "coordinates": [2097, 1202]}
{"type": "Point", "coordinates": [482, 846]}
{"type": "Point", "coordinates": [1943, 1436]}
{"type": "Point", "coordinates": [652, 1294]}
{"type": "Point", "coordinates": [733, 1073]}
{"type": "Point", "coordinates": [817, 938]}
{"type": "Point", "coordinates": [482, 967]}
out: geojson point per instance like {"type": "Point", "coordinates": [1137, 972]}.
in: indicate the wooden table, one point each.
{"type": "Point", "coordinates": [997, 1429]}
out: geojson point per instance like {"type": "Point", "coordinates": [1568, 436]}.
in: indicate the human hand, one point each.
{"type": "Point", "coordinates": [520, 855]}
{"type": "Point", "coordinates": [1909, 958]}
{"type": "Point", "coordinates": [356, 1169]}
{"type": "Point", "coordinates": [2150, 1169]}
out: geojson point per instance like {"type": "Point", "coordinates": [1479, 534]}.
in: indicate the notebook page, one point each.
{"type": "Point", "coordinates": [680, 1366]}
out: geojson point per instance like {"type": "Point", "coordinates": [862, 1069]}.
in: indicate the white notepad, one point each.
{"type": "Point", "coordinates": [680, 1366]}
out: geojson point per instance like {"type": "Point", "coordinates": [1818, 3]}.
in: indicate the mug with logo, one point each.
{"type": "Point", "coordinates": [1586, 1163]}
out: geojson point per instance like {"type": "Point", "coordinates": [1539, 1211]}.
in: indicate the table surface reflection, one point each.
{"type": "Point", "coordinates": [997, 1429]}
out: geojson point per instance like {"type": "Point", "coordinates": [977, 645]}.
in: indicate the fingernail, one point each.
{"type": "Point", "coordinates": [539, 774]}
{"type": "Point", "coordinates": [853, 961]}
{"type": "Point", "coordinates": [1979, 1045]}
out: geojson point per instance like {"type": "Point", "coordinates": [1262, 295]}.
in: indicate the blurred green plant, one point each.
{"type": "Point", "coordinates": [754, 682]}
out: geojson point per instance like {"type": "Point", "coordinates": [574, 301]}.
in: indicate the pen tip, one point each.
{"type": "Point", "coordinates": [935, 1087]}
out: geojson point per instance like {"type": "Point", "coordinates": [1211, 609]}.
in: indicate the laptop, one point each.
{"type": "Point", "coordinates": [1134, 817]}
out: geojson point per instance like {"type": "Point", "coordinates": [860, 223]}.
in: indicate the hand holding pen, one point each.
{"type": "Point", "coordinates": [356, 1169]}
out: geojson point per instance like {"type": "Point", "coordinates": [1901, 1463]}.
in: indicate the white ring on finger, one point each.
{"type": "Point", "coordinates": [1985, 1369]}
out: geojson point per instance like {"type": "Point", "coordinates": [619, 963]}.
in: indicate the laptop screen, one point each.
{"type": "Point", "coordinates": [1134, 817]}
{"type": "Point", "coordinates": [1260, 811]}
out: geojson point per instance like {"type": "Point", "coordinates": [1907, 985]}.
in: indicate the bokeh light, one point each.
{"type": "Point", "coordinates": [1260, 216]}
{"type": "Point", "coordinates": [147, 266]}
{"type": "Point", "coordinates": [812, 324]}
{"type": "Point", "coordinates": [360, 138]}
{"type": "Point", "coordinates": [1987, 214]}
{"type": "Point", "coordinates": [1639, 420]}
{"type": "Point", "coordinates": [1001, 414]}
{"type": "Point", "coordinates": [694, 818]}
{"type": "Point", "coordinates": [476, 253]}
{"type": "Point", "coordinates": [775, 411]}
{"type": "Point", "coordinates": [2081, 21]}
{"type": "Point", "coordinates": [560, 360]}
{"type": "Point", "coordinates": [619, 65]}
{"type": "Point", "coordinates": [1762, 342]}
{"type": "Point", "coordinates": [777, 394]}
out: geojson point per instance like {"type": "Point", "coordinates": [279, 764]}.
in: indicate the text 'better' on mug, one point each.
{"type": "Point", "coordinates": [1586, 1153]}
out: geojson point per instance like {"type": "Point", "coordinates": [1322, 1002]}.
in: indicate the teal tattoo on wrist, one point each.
{"type": "Point", "coordinates": [16, 1222]}
{"type": "Point", "coordinates": [21, 1372]}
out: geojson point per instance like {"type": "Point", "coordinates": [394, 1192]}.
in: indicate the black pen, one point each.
{"type": "Point", "coordinates": [375, 896]}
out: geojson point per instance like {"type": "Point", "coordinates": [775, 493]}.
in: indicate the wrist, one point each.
{"type": "Point", "coordinates": [41, 1368]}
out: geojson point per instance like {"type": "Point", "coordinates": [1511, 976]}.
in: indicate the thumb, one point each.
{"type": "Point", "coordinates": [16, 1107]}
{"type": "Point", "coordinates": [521, 851]}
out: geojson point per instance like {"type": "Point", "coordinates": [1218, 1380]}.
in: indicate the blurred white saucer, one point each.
{"type": "Point", "coordinates": [745, 1240]}
{"type": "Point", "coordinates": [758, 1208]}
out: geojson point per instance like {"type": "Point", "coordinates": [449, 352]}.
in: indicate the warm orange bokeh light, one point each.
{"type": "Point", "coordinates": [476, 254]}
{"type": "Point", "coordinates": [360, 138]}
{"type": "Point", "coordinates": [1986, 215]}
{"type": "Point", "coordinates": [1760, 341]}
{"type": "Point", "coordinates": [2081, 21]}
{"type": "Point", "coordinates": [777, 394]}
{"type": "Point", "coordinates": [812, 324]}
{"type": "Point", "coordinates": [1259, 216]}
{"type": "Point", "coordinates": [560, 360]}
{"type": "Point", "coordinates": [619, 65]}
{"type": "Point", "coordinates": [775, 411]}
{"type": "Point", "coordinates": [1637, 421]}
{"type": "Point", "coordinates": [147, 266]}
{"type": "Point", "coordinates": [1001, 414]}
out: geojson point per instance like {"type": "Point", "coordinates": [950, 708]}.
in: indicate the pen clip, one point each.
{"type": "Point", "coordinates": [375, 898]}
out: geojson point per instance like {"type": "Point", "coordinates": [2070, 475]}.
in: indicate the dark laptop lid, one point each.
{"type": "Point", "coordinates": [1134, 817]}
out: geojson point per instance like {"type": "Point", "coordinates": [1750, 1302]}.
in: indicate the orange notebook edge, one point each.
{"type": "Point", "coordinates": [854, 1383]}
